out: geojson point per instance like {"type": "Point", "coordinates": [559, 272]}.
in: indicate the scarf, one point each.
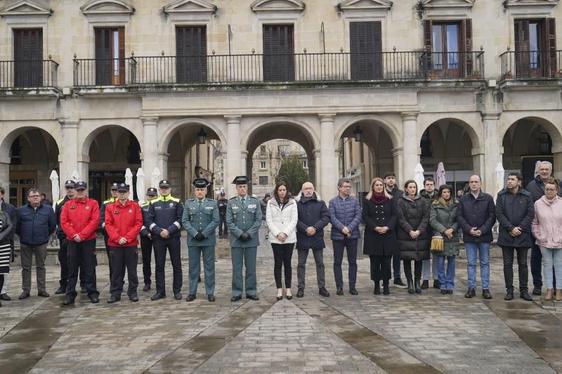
{"type": "Point", "coordinates": [379, 198]}
{"type": "Point", "coordinates": [444, 202]}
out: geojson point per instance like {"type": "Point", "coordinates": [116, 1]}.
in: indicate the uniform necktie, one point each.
{"type": "Point", "coordinates": [244, 202]}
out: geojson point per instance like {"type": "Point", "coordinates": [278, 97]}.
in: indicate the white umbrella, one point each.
{"type": "Point", "coordinates": [156, 175]}
{"type": "Point", "coordinates": [440, 176]}
{"type": "Point", "coordinates": [500, 175]}
{"type": "Point", "coordinates": [418, 176]}
{"type": "Point", "coordinates": [55, 188]}
{"type": "Point", "coordinates": [129, 181]}
{"type": "Point", "coordinates": [140, 185]}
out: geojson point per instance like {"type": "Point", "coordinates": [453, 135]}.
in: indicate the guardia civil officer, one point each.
{"type": "Point", "coordinates": [200, 219]}
{"type": "Point", "coordinates": [243, 218]}
{"type": "Point", "coordinates": [146, 239]}
{"type": "Point", "coordinates": [163, 220]}
{"type": "Point", "coordinates": [111, 200]}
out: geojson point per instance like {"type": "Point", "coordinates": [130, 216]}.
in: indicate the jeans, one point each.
{"type": "Point", "coordinates": [473, 251]}
{"type": "Point", "coordinates": [27, 252]}
{"type": "Point", "coordinates": [301, 268]}
{"type": "Point", "coordinates": [446, 277]}
{"type": "Point", "coordinates": [380, 268]}
{"type": "Point", "coordinates": [552, 258]}
{"type": "Point", "coordinates": [508, 253]}
{"type": "Point", "coordinates": [282, 254]}
{"type": "Point", "coordinates": [429, 268]}
{"type": "Point", "coordinates": [351, 246]}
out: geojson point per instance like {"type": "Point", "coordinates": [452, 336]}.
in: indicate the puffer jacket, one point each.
{"type": "Point", "coordinates": [441, 218]}
{"type": "Point", "coordinates": [547, 222]}
{"type": "Point", "coordinates": [282, 219]}
{"type": "Point", "coordinates": [35, 225]}
{"type": "Point", "coordinates": [344, 212]}
{"type": "Point", "coordinates": [515, 210]}
{"type": "Point", "coordinates": [413, 215]}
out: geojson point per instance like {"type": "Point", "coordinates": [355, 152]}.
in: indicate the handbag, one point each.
{"type": "Point", "coordinates": [437, 243]}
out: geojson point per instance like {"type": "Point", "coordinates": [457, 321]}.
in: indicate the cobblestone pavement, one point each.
{"type": "Point", "coordinates": [400, 333]}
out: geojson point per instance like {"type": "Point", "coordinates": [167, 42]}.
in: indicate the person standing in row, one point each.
{"type": "Point", "coordinates": [313, 216]}
{"type": "Point", "coordinates": [63, 242]}
{"type": "Point", "coordinates": [5, 249]}
{"type": "Point", "coordinates": [345, 216]}
{"type": "Point", "coordinates": [412, 233]}
{"type": "Point", "coordinates": [163, 220]}
{"type": "Point", "coordinates": [36, 222]}
{"type": "Point", "coordinates": [80, 220]}
{"type": "Point", "coordinates": [429, 267]}
{"type": "Point", "coordinates": [123, 221]}
{"type": "Point", "coordinates": [111, 200]}
{"type": "Point", "coordinates": [282, 218]}
{"type": "Point", "coordinates": [393, 190]}
{"type": "Point", "coordinates": [546, 229]}
{"type": "Point", "coordinates": [146, 239]}
{"type": "Point", "coordinates": [515, 212]}
{"type": "Point", "coordinates": [10, 210]}
{"type": "Point", "coordinates": [200, 219]}
{"type": "Point", "coordinates": [476, 216]}
{"type": "Point", "coordinates": [443, 220]}
{"type": "Point", "coordinates": [380, 235]}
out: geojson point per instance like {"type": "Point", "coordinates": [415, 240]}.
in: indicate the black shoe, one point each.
{"type": "Point", "coordinates": [525, 295]}
{"type": "Point", "coordinates": [279, 298]}
{"type": "Point", "coordinates": [134, 297]}
{"type": "Point", "coordinates": [537, 291]}
{"type": "Point", "coordinates": [24, 295]}
{"type": "Point", "coordinates": [436, 284]}
{"type": "Point", "coordinates": [190, 297]}
{"type": "Point", "coordinates": [322, 292]}
{"type": "Point", "coordinates": [43, 294]}
{"type": "Point", "coordinates": [508, 294]}
{"type": "Point", "coordinates": [177, 296]}
{"type": "Point", "coordinates": [450, 292]}
{"type": "Point", "coordinates": [339, 292]}
{"type": "Point", "coordinates": [470, 293]}
{"type": "Point", "coordinates": [353, 291]}
{"type": "Point", "coordinates": [377, 289]}
{"type": "Point", "coordinates": [385, 289]}
{"type": "Point", "coordinates": [146, 288]}
{"type": "Point", "coordinates": [252, 297]}
{"type": "Point", "coordinates": [211, 298]}
{"type": "Point", "coordinates": [68, 300]}
{"type": "Point", "coordinates": [288, 297]}
{"type": "Point", "coordinates": [444, 292]}
{"type": "Point", "coordinates": [94, 299]}
{"type": "Point", "coordinates": [410, 286]}
{"type": "Point", "coordinates": [425, 285]}
{"type": "Point", "coordinates": [417, 286]}
{"type": "Point", "coordinates": [235, 298]}
{"type": "Point", "coordinates": [113, 299]}
{"type": "Point", "coordinates": [398, 282]}
{"type": "Point", "coordinates": [61, 290]}
{"type": "Point", "coordinates": [5, 297]}
{"type": "Point", "coordinates": [157, 296]}
{"type": "Point", "coordinates": [300, 292]}
{"type": "Point", "coordinates": [486, 294]}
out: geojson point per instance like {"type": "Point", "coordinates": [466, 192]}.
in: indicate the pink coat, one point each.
{"type": "Point", "coordinates": [547, 223]}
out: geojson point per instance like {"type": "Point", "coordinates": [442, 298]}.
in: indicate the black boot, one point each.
{"type": "Point", "coordinates": [425, 284]}
{"type": "Point", "coordinates": [508, 294]}
{"type": "Point", "coordinates": [377, 289]}
{"type": "Point", "coordinates": [385, 288]}
{"type": "Point", "coordinates": [410, 286]}
{"type": "Point", "coordinates": [417, 286]}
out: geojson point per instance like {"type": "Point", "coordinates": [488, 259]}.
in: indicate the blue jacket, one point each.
{"type": "Point", "coordinates": [312, 213]}
{"type": "Point", "coordinates": [345, 212]}
{"type": "Point", "coordinates": [165, 212]}
{"type": "Point", "coordinates": [34, 225]}
{"type": "Point", "coordinates": [479, 213]}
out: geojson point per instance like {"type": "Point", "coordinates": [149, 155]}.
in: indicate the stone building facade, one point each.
{"type": "Point", "coordinates": [89, 87]}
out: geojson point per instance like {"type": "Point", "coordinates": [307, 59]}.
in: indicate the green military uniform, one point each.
{"type": "Point", "coordinates": [201, 217]}
{"type": "Point", "coordinates": [243, 218]}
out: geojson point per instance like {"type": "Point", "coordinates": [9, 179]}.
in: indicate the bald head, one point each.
{"type": "Point", "coordinates": [307, 189]}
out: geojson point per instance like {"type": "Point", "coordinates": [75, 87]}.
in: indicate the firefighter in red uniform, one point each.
{"type": "Point", "coordinates": [79, 221]}
{"type": "Point", "coordinates": [123, 222]}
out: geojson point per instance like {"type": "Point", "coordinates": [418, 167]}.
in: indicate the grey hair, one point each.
{"type": "Point", "coordinates": [341, 181]}
{"type": "Point", "coordinates": [547, 163]}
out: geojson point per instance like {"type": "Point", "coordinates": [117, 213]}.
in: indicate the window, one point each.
{"type": "Point", "coordinates": [263, 165]}
{"type": "Point", "coordinates": [28, 57]}
{"type": "Point", "coordinates": [365, 50]}
{"type": "Point", "coordinates": [263, 180]}
{"type": "Point", "coordinates": [449, 47]}
{"type": "Point", "coordinates": [278, 53]}
{"type": "Point", "coordinates": [191, 54]}
{"type": "Point", "coordinates": [305, 164]}
{"type": "Point", "coordinates": [535, 47]}
{"type": "Point", "coordinates": [110, 56]}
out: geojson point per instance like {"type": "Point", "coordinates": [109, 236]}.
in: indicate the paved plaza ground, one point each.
{"type": "Point", "coordinates": [400, 333]}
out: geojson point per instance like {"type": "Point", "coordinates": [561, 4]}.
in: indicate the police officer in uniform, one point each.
{"type": "Point", "coordinates": [243, 218]}
{"type": "Point", "coordinates": [200, 219]}
{"type": "Point", "coordinates": [111, 200]}
{"type": "Point", "coordinates": [163, 220]}
{"type": "Point", "coordinates": [146, 239]}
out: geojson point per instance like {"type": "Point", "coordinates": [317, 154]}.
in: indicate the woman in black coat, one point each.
{"type": "Point", "coordinates": [412, 233]}
{"type": "Point", "coordinates": [380, 238]}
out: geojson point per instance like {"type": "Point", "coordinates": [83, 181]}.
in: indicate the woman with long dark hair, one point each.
{"type": "Point", "coordinates": [281, 218]}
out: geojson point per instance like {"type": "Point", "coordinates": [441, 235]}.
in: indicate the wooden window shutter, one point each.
{"type": "Point", "coordinates": [465, 47]}
{"type": "Point", "coordinates": [103, 56]}
{"type": "Point", "coordinates": [550, 47]}
{"type": "Point", "coordinates": [28, 56]}
{"type": "Point", "coordinates": [522, 56]}
{"type": "Point", "coordinates": [191, 54]}
{"type": "Point", "coordinates": [119, 78]}
{"type": "Point", "coordinates": [427, 44]}
{"type": "Point", "coordinates": [365, 50]}
{"type": "Point", "coordinates": [278, 53]}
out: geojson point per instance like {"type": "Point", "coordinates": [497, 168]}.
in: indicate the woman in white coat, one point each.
{"type": "Point", "coordinates": [281, 217]}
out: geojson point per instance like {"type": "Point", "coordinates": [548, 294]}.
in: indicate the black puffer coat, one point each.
{"type": "Point", "coordinates": [413, 215]}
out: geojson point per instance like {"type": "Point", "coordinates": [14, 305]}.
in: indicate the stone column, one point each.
{"type": "Point", "coordinates": [486, 162]}
{"type": "Point", "coordinates": [328, 161]}
{"type": "Point", "coordinates": [411, 146]}
{"type": "Point", "coordinates": [234, 163]}
{"type": "Point", "coordinates": [71, 159]}
{"type": "Point", "coordinates": [398, 162]}
{"type": "Point", "coordinates": [149, 154]}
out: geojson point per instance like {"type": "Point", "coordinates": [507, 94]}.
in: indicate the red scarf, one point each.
{"type": "Point", "coordinates": [379, 198]}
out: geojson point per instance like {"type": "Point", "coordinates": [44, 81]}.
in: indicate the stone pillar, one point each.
{"type": "Point", "coordinates": [486, 162]}
{"type": "Point", "coordinates": [234, 163]}
{"type": "Point", "coordinates": [411, 146]}
{"type": "Point", "coordinates": [398, 161]}
{"type": "Point", "coordinates": [328, 161]}
{"type": "Point", "coordinates": [314, 168]}
{"type": "Point", "coordinates": [163, 164]}
{"type": "Point", "coordinates": [71, 159]}
{"type": "Point", "coordinates": [149, 151]}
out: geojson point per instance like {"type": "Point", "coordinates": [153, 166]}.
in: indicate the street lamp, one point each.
{"type": "Point", "coordinates": [357, 133]}
{"type": "Point", "coordinates": [202, 136]}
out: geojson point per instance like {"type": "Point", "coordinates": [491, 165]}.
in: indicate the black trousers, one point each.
{"type": "Point", "coordinates": [124, 258]}
{"type": "Point", "coordinates": [82, 256]}
{"type": "Point", "coordinates": [508, 254]}
{"type": "Point", "coordinates": [408, 269]}
{"type": "Point", "coordinates": [380, 268]}
{"type": "Point", "coordinates": [146, 248]}
{"type": "Point", "coordinates": [282, 254]}
{"type": "Point", "coordinates": [223, 229]}
{"type": "Point", "coordinates": [173, 246]}
{"type": "Point", "coordinates": [396, 266]}
{"type": "Point", "coordinates": [105, 240]}
{"type": "Point", "coordinates": [63, 261]}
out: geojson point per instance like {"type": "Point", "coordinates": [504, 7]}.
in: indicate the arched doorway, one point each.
{"type": "Point", "coordinates": [529, 140]}
{"type": "Point", "coordinates": [452, 142]}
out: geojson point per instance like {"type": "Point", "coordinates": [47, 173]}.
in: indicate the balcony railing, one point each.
{"type": "Point", "coordinates": [283, 68]}
{"type": "Point", "coordinates": [529, 65]}
{"type": "Point", "coordinates": [28, 74]}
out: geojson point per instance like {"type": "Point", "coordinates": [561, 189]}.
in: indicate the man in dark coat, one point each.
{"type": "Point", "coordinates": [476, 216]}
{"type": "Point", "coordinates": [392, 189]}
{"type": "Point", "coordinates": [515, 212]}
{"type": "Point", "coordinates": [313, 217]}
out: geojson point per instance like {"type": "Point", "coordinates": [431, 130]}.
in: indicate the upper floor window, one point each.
{"type": "Point", "coordinates": [449, 48]}
{"type": "Point", "coordinates": [535, 47]}
{"type": "Point", "coordinates": [110, 55]}
{"type": "Point", "coordinates": [365, 46]}
{"type": "Point", "coordinates": [28, 57]}
{"type": "Point", "coordinates": [263, 165]}
{"type": "Point", "coordinates": [278, 53]}
{"type": "Point", "coordinates": [191, 54]}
